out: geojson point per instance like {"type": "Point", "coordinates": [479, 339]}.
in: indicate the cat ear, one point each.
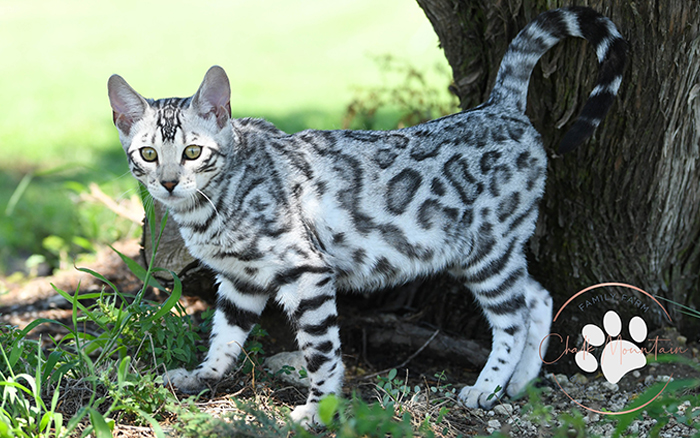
{"type": "Point", "coordinates": [128, 106]}
{"type": "Point", "coordinates": [214, 96]}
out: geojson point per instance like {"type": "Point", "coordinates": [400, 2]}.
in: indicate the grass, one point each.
{"type": "Point", "coordinates": [295, 63]}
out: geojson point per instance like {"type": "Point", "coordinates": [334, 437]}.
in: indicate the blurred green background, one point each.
{"type": "Point", "coordinates": [296, 63]}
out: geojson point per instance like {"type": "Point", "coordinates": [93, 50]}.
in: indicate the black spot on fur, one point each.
{"type": "Point", "coordinates": [385, 158]}
{"type": "Point", "coordinates": [523, 160]}
{"type": "Point", "coordinates": [311, 304]}
{"type": "Point", "coordinates": [322, 327]}
{"type": "Point", "coordinates": [426, 149]}
{"type": "Point", "coordinates": [315, 362]}
{"type": "Point", "coordinates": [236, 316]}
{"type": "Point", "coordinates": [401, 190]}
{"type": "Point", "coordinates": [428, 212]}
{"type": "Point", "coordinates": [508, 207]}
{"type": "Point", "coordinates": [325, 347]}
{"type": "Point", "coordinates": [437, 187]}
{"type": "Point", "coordinates": [458, 174]}
{"type": "Point", "coordinates": [488, 161]}
{"type": "Point", "coordinates": [511, 305]}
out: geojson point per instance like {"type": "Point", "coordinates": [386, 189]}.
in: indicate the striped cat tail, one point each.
{"type": "Point", "coordinates": [543, 33]}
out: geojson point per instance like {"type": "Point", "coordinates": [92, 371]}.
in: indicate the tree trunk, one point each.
{"type": "Point", "coordinates": [197, 280]}
{"type": "Point", "coordinates": [623, 207]}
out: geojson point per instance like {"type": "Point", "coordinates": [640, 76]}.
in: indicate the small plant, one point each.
{"type": "Point", "coordinates": [23, 410]}
{"type": "Point", "coordinates": [392, 390]}
{"type": "Point", "coordinates": [355, 417]}
{"type": "Point", "coordinates": [665, 406]}
{"type": "Point", "coordinates": [121, 327]}
{"type": "Point", "coordinates": [415, 99]}
{"type": "Point", "coordinates": [535, 409]}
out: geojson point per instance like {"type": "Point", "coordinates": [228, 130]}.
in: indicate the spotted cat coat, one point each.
{"type": "Point", "coordinates": [295, 218]}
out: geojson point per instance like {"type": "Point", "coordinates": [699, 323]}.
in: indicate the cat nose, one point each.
{"type": "Point", "coordinates": [169, 185]}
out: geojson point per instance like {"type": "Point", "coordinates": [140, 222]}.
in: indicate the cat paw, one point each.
{"type": "Point", "coordinates": [518, 383]}
{"type": "Point", "coordinates": [189, 382]}
{"type": "Point", "coordinates": [473, 397]}
{"type": "Point", "coordinates": [306, 415]}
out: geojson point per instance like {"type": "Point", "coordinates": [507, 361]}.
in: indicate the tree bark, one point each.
{"type": "Point", "coordinates": [625, 206]}
{"type": "Point", "coordinates": [197, 280]}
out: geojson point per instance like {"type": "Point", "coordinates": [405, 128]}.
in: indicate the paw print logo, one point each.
{"type": "Point", "coordinates": [619, 356]}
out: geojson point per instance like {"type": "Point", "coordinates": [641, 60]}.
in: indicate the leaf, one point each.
{"type": "Point", "coordinates": [123, 370]}
{"type": "Point", "coordinates": [172, 300]}
{"type": "Point", "coordinates": [139, 271]}
{"type": "Point", "coordinates": [671, 389]}
{"type": "Point", "coordinates": [15, 350]}
{"type": "Point", "coordinates": [392, 374]}
{"type": "Point", "coordinates": [98, 421]}
{"type": "Point", "coordinates": [83, 243]}
{"type": "Point", "coordinates": [327, 408]}
{"type": "Point", "coordinates": [157, 430]}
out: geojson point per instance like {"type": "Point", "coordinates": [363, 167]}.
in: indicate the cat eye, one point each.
{"type": "Point", "coordinates": [192, 152]}
{"type": "Point", "coordinates": [149, 154]}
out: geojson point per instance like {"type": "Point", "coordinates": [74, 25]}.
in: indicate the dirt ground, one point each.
{"type": "Point", "coordinates": [23, 303]}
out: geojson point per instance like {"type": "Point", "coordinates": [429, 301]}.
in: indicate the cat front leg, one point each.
{"type": "Point", "coordinates": [309, 301]}
{"type": "Point", "coordinates": [237, 310]}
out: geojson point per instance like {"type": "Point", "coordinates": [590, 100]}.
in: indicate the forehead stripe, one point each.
{"type": "Point", "coordinates": [168, 117]}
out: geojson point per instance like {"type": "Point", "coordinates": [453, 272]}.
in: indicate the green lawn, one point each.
{"type": "Point", "coordinates": [295, 63]}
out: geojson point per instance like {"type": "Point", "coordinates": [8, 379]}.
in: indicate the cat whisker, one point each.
{"type": "Point", "coordinates": [208, 200]}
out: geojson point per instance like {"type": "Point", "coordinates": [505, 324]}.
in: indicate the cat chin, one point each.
{"type": "Point", "coordinates": [175, 202]}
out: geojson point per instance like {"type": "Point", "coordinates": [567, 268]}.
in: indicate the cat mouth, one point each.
{"type": "Point", "coordinates": [171, 198]}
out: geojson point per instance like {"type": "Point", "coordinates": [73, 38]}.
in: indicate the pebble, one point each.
{"type": "Point", "coordinates": [591, 418]}
{"type": "Point", "coordinates": [562, 379]}
{"type": "Point", "coordinates": [579, 378]}
{"type": "Point", "coordinates": [504, 409]}
{"type": "Point", "coordinates": [493, 425]}
{"type": "Point", "coordinates": [610, 386]}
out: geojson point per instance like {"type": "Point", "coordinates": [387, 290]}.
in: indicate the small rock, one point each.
{"type": "Point", "coordinates": [579, 378]}
{"type": "Point", "coordinates": [591, 418]}
{"type": "Point", "coordinates": [636, 374]}
{"type": "Point", "coordinates": [682, 340]}
{"type": "Point", "coordinates": [57, 302]}
{"type": "Point", "coordinates": [504, 409]}
{"type": "Point", "coordinates": [664, 378]}
{"type": "Point", "coordinates": [293, 359]}
{"type": "Point", "coordinates": [612, 387]}
{"type": "Point", "coordinates": [649, 380]}
{"type": "Point", "coordinates": [634, 427]}
{"type": "Point", "coordinates": [562, 379]}
{"type": "Point", "coordinates": [493, 425]}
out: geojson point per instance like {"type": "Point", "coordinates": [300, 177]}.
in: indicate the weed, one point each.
{"type": "Point", "coordinates": [414, 98]}
{"type": "Point", "coordinates": [23, 411]}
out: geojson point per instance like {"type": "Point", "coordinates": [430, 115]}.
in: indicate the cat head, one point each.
{"type": "Point", "coordinates": [175, 146]}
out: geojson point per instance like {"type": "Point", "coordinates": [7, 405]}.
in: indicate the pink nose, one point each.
{"type": "Point", "coordinates": [169, 185]}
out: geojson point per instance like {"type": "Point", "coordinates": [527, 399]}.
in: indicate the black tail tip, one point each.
{"type": "Point", "coordinates": [578, 134]}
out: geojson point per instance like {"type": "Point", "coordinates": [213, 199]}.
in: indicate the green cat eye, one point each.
{"type": "Point", "coordinates": [149, 154]}
{"type": "Point", "coordinates": [192, 152]}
